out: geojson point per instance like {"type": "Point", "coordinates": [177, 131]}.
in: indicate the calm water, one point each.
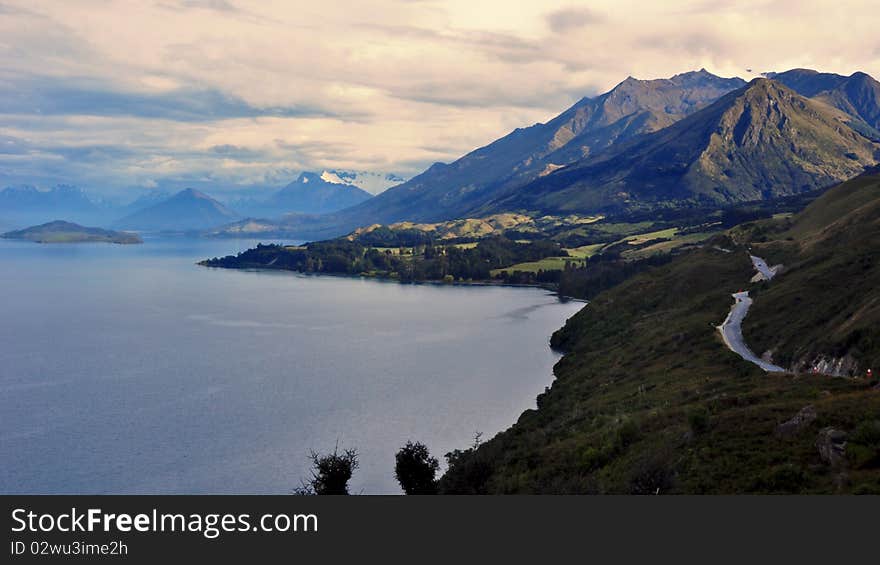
{"type": "Point", "coordinates": [128, 369]}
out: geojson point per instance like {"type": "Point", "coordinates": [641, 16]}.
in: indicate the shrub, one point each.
{"type": "Point", "coordinates": [330, 473]}
{"type": "Point", "coordinates": [415, 469]}
{"type": "Point", "coordinates": [699, 420]}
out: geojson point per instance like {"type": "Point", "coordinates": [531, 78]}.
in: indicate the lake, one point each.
{"type": "Point", "coordinates": [129, 369]}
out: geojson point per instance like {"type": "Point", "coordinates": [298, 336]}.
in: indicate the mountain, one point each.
{"type": "Point", "coordinates": [631, 108]}
{"type": "Point", "coordinates": [28, 205]}
{"type": "Point", "coordinates": [143, 201]}
{"type": "Point", "coordinates": [372, 182]}
{"type": "Point", "coordinates": [310, 193]}
{"type": "Point", "coordinates": [313, 193]}
{"type": "Point", "coordinates": [858, 94]}
{"type": "Point", "coordinates": [762, 141]}
{"type": "Point", "coordinates": [187, 210]}
{"type": "Point", "coordinates": [647, 399]}
{"type": "Point", "coordinates": [67, 232]}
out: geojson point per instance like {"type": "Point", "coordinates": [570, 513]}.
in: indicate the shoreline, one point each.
{"type": "Point", "coordinates": [548, 288]}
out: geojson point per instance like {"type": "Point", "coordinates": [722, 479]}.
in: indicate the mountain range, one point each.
{"type": "Point", "coordinates": [759, 142]}
{"type": "Point", "coordinates": [310, 193]}
{"type": "Point", "coordinates": [24, 205]}
{"type": "Point", "coordinates": [632, 108]}
{"type": "Point", "coordinates": [691, 140]}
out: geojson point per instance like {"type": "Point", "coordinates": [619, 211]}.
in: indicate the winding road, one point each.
{"type": "Point", "coordinates": [731, 328]}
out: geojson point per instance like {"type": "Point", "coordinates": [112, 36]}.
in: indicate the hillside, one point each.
{"type": "Point", "coordinates": [648, 400]}
{"type": "Point", "coordinates": [67, 232]}
{"type": "Point", "coordinates": [827, 314]}
{"type": "Point", "coordinates": [187, 210]}
{"type": "Point", "coordinates": [763, 141]}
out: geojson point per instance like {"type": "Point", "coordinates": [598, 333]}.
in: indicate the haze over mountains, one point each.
{"type": "Point", "coordinates": [190, 209]}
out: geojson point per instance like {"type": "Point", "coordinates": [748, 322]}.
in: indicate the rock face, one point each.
{"type": "Point", "coordinates": [831, 444]}
{"type": "Point", "coordinates": [801, 420]}
{"type": "Point", "coordinates": [845, 366]}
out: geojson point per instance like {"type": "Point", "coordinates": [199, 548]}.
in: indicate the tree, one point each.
{"type": "Point", "coordinates": [415, 469]}
{"type": "Point", "coordinates": [330, 473]}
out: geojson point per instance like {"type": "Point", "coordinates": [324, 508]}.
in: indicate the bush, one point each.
{"type": "Point", "coordinates": [330, 473]}
{"type": "Point", "coordinates": [415, 469]}
{"type": "Point", "coordinates": [786, 478]}
{"type": "Point", "coordinates": [626, 435]}
{"type": "Point", "coordinates": [863, 445]}
{"type": "Point", "coordinates": [699, 420]}
{"type": "Point", "coordinates": [651, 474]}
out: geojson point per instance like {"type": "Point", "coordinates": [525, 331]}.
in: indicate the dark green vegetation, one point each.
{"type": "Point", "coordinates": [647, 399]}
{"type": "Point", "coordinates": [67, 232]}
{"type": "Point", "coordinates": [421, 263]}
{"type": "Point", "coordinates": [330, 473]}
{"type": "Point", "coordinates": [829, 309]}
{"type": "Point", "coordinates": [415, 469]}
{"type": "Point", "coordinates": [577, 256]}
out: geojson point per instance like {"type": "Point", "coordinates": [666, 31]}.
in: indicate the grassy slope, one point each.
{"type": "Point", "coordinates": [648, 398]}
{"type": "Point", "coordinates": [830, 304]}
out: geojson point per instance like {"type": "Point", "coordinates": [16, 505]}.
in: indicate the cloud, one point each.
{"type": "Point", "coordinates": [567, 19]}
{"type": "Point", "coordinates": [240, 93]}
{"type": "Point", "coordinates": [45, 95]}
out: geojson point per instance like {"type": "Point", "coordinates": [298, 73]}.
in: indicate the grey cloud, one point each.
{"type": "Point", "coordinates": [503, 46]}
{"type": "Point", "coordinates": [215, 5]}
{"type": "Point", "coordinates": [42, 95]}
{"type": "Point", "coordinates": [693, 43]}
{"type": "Point", "coordinates": [567, 19]}
{"type": "Point", "coordinates": [236, 152]}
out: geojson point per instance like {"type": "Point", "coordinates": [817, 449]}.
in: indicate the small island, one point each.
{"type": "Point", "coordinates": [68, 232]}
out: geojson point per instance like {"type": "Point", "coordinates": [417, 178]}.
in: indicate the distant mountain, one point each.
{"type": "Point", "coordinates": [858, 94]}
{"type": "Point", "coordinates": [632, 108]}
{"type": "Point", "coordinates": [310, 193]}
{"type": "Point", "coordinates": [143, 201]}
{"type": "Point", "coordinates": [372, 182]}
{"type": "Point", "coordinates": [25, 205]}
{"type": "Point", "coordinates": [67, 232]}
{"type": "Point", "coordinates": [187, 210]}
{"type": "Point", "coordinates": [759, 142]}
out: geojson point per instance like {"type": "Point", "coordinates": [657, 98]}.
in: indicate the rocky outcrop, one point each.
{"type": "Point", "coordinates": [801, 420]}
{"type": "Point", "coordinates": [845, 366]}
{"type": "Point", "coordinates": [831, 444]}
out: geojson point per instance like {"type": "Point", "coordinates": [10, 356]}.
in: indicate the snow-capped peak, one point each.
{"type": "Point", "coordinates": [331, 177]}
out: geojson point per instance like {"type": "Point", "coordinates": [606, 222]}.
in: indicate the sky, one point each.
{"type": "Point", "coordinates": [238, 96]}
